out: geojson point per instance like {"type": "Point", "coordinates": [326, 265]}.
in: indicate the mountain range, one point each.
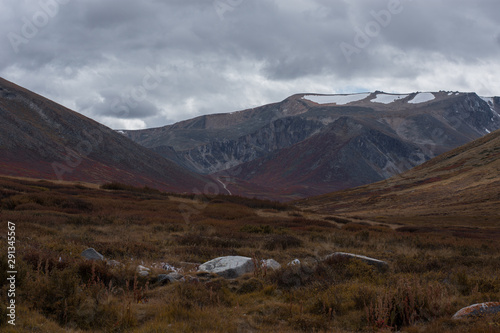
{"type": "Point", "coordinates": [306, 145]}
{"type": "Point", "coordinates": [312, 144]}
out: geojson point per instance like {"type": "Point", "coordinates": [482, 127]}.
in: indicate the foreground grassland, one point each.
{"type": "Point", "coordinates": [432, 272]}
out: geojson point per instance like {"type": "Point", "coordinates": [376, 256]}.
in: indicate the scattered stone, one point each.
{"type": "Point", "coordinates": [170, 278]}
{"type": "Point", "coordinates": [176, 276]}
{"type": "Point", "coordinates": [478, 310]}
{"type": "Point", "coordinates": [142, 271]}
{"type": "Point", "coordinates": [163, 279]}
{"type": "Point", "coordinates": [113, 263]}
{"type": "Point", "coordinates": [229, 267]}
{"type": "Point", "coordinates": [294, 262]}
{"type": "Point", "coordinates": [168, 267]}
{"type": "Point", "coordinates": [271, 263]}
{"type": "Point", "coordinates": [91, 254]}
{"type": "Point", "coordinates": [381, 265]}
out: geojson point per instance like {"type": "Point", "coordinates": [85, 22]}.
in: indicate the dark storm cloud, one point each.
{"type": "Point", "coordinates": [216, 56]}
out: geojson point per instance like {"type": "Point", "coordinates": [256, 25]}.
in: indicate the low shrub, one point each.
{"type": "Point", "coordinates": [406, 302]}
{"type": "Point", "coordinates": [257, 229]}
{"type": "Point", "coordinates": [308, 323]}
{"type": "Point", "coordinates": [282, 242]}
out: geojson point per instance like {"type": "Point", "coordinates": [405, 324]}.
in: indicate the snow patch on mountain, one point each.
{"type": "Point", "coordinates": [491, 103]}
{"type": "Point", "coordinates": [422, 98]}
{"type": "Point", "coordinates": [336, 99]}
{"type": "Point", "coordinates": [387, 98]}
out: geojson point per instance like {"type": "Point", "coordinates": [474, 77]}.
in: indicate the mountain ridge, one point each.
{"type": "Point", "coordinates": [42, 139]}
{"type": "Point", "coordinates": [254, 141]}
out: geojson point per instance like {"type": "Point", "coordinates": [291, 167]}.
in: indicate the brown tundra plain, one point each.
{"type": "Point", "coordinates": [431, 274]}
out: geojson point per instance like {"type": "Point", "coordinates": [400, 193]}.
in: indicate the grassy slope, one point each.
{"type": "Point", "coordinates": [460, 187]}
{"type": "Point", "coordinates": [433, 276]}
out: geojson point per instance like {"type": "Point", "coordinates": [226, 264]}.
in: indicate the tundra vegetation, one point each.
{"type": "Point", "coordinates": [432, 273]}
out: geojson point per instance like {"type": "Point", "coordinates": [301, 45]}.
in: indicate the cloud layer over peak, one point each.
{"type": "Point", "coordinates": [133, 64]}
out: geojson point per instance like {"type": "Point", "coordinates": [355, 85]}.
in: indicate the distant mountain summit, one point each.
{"type": "Point", "coordinates": [311, 144]}
{"type": "Point", "coordinates": [42, 139]}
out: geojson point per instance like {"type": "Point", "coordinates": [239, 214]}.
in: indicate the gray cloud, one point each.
{"type": "Point", "coordinates": [221, 56]}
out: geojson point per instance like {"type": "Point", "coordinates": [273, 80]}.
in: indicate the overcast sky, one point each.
{"type": "Point", "coordinates": [134, 64]}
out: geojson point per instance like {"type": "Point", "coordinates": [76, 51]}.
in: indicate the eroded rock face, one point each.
{"type": "Point", "coordinates": [477, 310]}
{"type": "Point", "coordinates": [91, 254]}
{"type": "Point", "coordinates": [229, 267]}
{"type": "Point", "coordinates": [381, 265]}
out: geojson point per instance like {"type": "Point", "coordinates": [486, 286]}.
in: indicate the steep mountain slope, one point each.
{"type": "Point", "coordinates": [461, 186]}
{"type": "Point", "coordinates": [348, 153]}
{"type": "Point", "coordinates": [41, 139]}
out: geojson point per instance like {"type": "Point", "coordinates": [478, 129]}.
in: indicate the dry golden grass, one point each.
{"type": "Point", "coordinates": [433, 272]}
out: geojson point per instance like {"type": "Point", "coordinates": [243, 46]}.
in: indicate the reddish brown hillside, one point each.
{"type": "Point", "coordinates": [41, 139]}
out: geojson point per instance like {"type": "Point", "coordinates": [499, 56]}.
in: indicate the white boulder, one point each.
{"type": "Point", "coordinates": [229, 267]}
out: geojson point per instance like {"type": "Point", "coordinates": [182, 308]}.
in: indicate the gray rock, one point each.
{"type": "Point", "coordinates": [271, 263]}
{"type": "Point", "coordinates": [168, 267]}
{"type": "Point", "coordinates": [162, 279]}
{"type": "Point", "coordinates": [142, 271]}
{"type": "Point", "coordinates": [477, 310]}
{"type": "Point", "coordinates": [170, 278]}
{"type": "Point", "coordinates": [229, 267]}
{"type": "Point", "coordinates": [381, 265]}
{"type": "Point", "coordinates": [294, 262]}
{"type": "Point", "coordinates": [175, 276]}
{"type": "Point", "coordinates": [91, 254]}
{"type": "Point", "coordinates": [113, 263]}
